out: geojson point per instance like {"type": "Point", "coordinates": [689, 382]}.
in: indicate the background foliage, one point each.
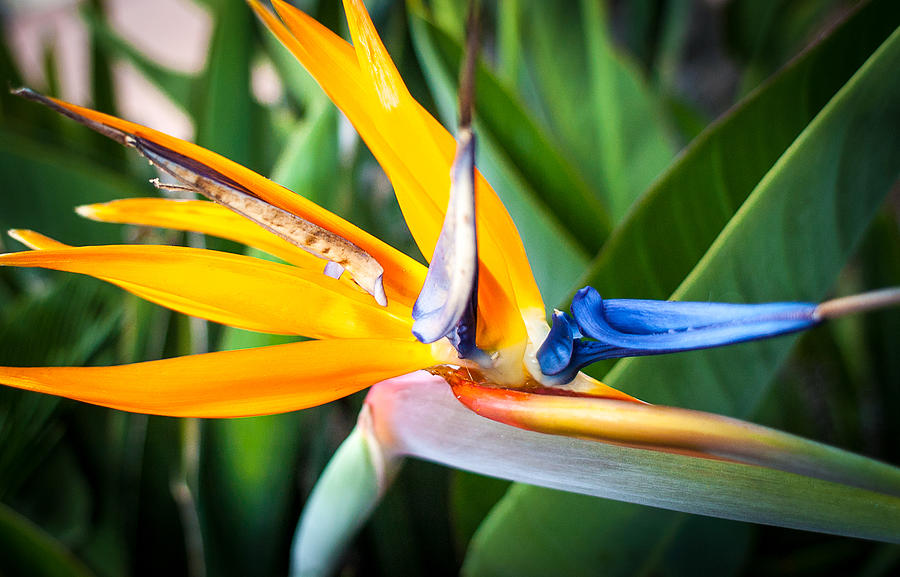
{"type": "Point", "coordinates": [597, 125]}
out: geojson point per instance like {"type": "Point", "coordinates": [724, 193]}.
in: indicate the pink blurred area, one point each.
{"type": "Point", "coordinates": [174, 33]}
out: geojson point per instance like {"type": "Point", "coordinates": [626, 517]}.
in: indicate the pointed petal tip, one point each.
{"type": "Point", "coordinates": [24, 236]}
{"type": "Point", "coordinates": [33, 240]}
{"type": "Point", "coordinates": [87, 117]}
{"type": "Point", "coordinates": [88, 211]}
{"type": "Point", "coordinates": [256, 6]}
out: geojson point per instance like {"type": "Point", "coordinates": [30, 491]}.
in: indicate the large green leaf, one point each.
{"type": "Point", "coordinates": [632, 146]}
{"type": "Point", "coordinates": [595, 100]}
{"type": "Point", "coordinates": [224, 107]}
{"type": "Point", "coordinates": [249, 478]}
{"type": "Point", "coordinates": [674, 224]}
{"type": "Point", "coordinates": [788, 241]}
{"type": "Point", "coordinates": [310, 162]}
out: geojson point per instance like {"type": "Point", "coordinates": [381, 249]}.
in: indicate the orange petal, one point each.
{"type": "Point", "coordinates": [411, 274]}
{"type": "Point", "coordinates": [427, 146]}
{"type": "Point", "coordinates": [402, 141]}
{"type": "Point", "coordinates": [230, 289]}
{"type": "Point", "coordinates": [213, 219]}
{"type": "Point", "coordinates": [239, 383]}
{"type": "Point", "coordinates": [332, 62]}
{"type": "Point", "coordinates": [504, 248]}
{"type": "Point", "coordinates": [199, 216]}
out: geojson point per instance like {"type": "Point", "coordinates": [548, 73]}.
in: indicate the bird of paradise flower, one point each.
{"type": "Point", "coordinates": [356, 296]}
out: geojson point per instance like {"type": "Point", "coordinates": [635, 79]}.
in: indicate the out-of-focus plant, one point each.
{"type": "Point", "coordinates": [577, 134]}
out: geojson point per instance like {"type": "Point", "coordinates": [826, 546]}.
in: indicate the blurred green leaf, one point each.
{"type": "Point", "coordinates": [158, 533]}
{"type": "Point", "coordinates": [176, 85]}
{"type": "Point", "coordinates": [764, 35]}
{"type": "Point", "coordinates": [248, 479]}
{"type": "Point", "coordinates": [879, 368]}
{"type": "Point", "coordinates": [472, 497]}
{"type": "Point", "coordinates": [27, 551]}
{"type": "Point", "coordinates": [788, 241]}
{"type": "Point", "coordinates": [674, 23]}
{"type": "Point", "coordinates": [310, 163]}
{"type": "Point", "coordinates": [509, 45]}
{"type": "Point", "coordinates": [343, 498]}
{"type": "Point", "coordinates": [632, 146]}
{"type": "Point", "coordinates": [224, 105]}
{"type": "Point", "coordinates": [596, 100]}
{"type": "Point", "coordinates": [42, 186]}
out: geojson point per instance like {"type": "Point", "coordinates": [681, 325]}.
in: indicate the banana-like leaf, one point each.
{"type": "Point", "coordinates": [632, 146]}
{"type": "Point", "coordinates": [595, 99]}
{"type": "Point", "coordinates": [788, 240]}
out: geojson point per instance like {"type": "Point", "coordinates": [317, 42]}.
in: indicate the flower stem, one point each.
{"type": "Point", "coordinates": [859, 303]}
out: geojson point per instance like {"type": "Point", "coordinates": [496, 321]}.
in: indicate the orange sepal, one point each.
{"type": "Point", "coordinates": [402, 270]}
{"type": "Point", "coordinates": [199, 216]}
{"type": "Point", "coordinates": [231, 289]}
{"type": "Point", "coordinates": [333, 63]}
{"type": "Point", "coordinates": [401, 136]}
{"type": "Point", "coordinates": [239, 383]}
{"type": "Point", "coordinates": [427, 146]}
{"type": "Point", "coordinates": [213, 219]}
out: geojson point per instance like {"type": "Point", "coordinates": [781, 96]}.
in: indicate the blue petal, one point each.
{"type": "Point", "coordinates": [556, 351]}
{"type": "Point", "coordinates": [630, 328]}
{"type": "Point", "coordinates": [640, 327]}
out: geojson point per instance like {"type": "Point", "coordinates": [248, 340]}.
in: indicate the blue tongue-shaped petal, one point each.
{"type": "Point", "coordinates": [640, 327]}
{"type": "Point", "coordinates": [446, 304]}
{"type": "Point", "coordinates": [601, 329]}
